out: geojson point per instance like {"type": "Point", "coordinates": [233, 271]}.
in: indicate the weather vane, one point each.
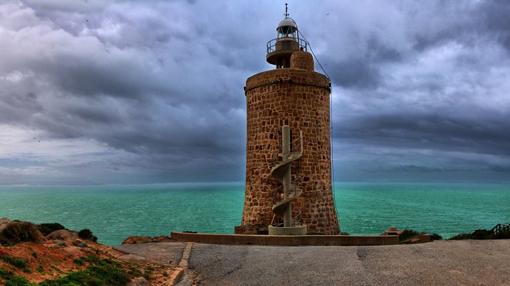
{"type": "Point", "coordinates": [286, 10]}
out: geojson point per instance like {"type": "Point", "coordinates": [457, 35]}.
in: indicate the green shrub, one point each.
{"type": "Point", "coordinates": [100, 273]}
{"type": "Point", "coordinates": [13, 280]}
{"type": "Point", "coordinates": [4, 273]}
{"type": "Point", "coordinates": [47, 228]}
{"type": "Point", "coordinates": [17, 281]}
{"type": "Point", "coordinates": [87, 235]}
{"type": "Point", "coordinates": [20, 231]}
{"type": "Point", "coordinates": [16, 262]}
{"type": "Point", "coordinates": [79, 261]}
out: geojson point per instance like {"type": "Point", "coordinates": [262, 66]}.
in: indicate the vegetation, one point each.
{"type": "Point", "coordinates": [93, 270]}
{"type": "Point", "coordinates": [497, 232]}
{"type": "Point", "coordinates": [20, 231]}
{"type": "Point", "coordinates": [87, 235]}
{"type": "Point", "coordinates": [99, 273]}
{"type": "Point", "coordinates": [13, 280]}
{"type": "Point", "coordinates": [47, 228]}
{"type": "Point", "coordinates": [409, 233]}
{"type": "Point", "coordinates": [16, 262]}
{"type": "Point", "coordinates": [477, 234]}
{"type": "Point", "coordinates": [3, 273]}
{"type": "Point", "coordinates": [79, 261]}
{"type": "Point", "coordinates": [17, 281]}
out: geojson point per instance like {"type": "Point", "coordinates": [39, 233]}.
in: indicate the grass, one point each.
{"type": "Point", "coordinates": [79, 261]}
{"type": "Point", "coordinates": [16, 262]}
{"type": "Point", "coordinates": [3, 273]}
{"type": "Point", "coordinates": [18, 281]}
{"type": "Point", "coordinates": [99, 273]}
{"type": "Point", "coordinates": [13, 280]}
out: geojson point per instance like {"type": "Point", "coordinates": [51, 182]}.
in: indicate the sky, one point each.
{"type": "Point", "coordinates": [118, 92]}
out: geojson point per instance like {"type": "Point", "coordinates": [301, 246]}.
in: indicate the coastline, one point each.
{"type": "Point", "coordinates": [50, 254]}
{"type": "Point", "coordinates": [365, 209]}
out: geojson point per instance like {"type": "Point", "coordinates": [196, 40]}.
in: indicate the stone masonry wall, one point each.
{"type": "Point", "coordinates": [300, 99]}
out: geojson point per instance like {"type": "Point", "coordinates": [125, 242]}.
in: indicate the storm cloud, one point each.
{"type": "Point", "coordinates": [152, 91]}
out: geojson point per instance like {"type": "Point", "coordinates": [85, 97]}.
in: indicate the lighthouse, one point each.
{"type": "Point", "coordinates": [288, 149]}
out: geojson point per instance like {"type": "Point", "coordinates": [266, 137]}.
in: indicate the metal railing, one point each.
{"type": "Point", "coordinates": [271, 45]}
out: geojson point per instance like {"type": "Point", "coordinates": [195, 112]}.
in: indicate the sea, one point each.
{"type": "Point", "coordinates": [114, 212]}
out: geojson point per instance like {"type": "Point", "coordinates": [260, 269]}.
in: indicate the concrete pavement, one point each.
{"type": "Point", "coordinates": [467, 262]}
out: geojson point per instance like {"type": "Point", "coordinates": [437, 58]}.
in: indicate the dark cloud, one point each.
{"type": "Point", "coordinates": [152, 91]}
{"type": "Point", "coordinates": [431, 131]}
{"type": "Point", "coordinates": [357, 73]}
{"type": "Point", "coordinates": [494, 19]}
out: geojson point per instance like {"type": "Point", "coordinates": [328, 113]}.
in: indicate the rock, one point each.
{"type": "Point", "coordinates": [145, 239]}
{"type": "Point", "coordinates": [394, 231]}
{"type": "Point", "coordinates": [137, 240]}
{"type": "Point", "coordinates": [64, 235]}
{"type": "Point", "coordinates": [461, 236]}
{"type": "Point", "coordinates": [407, 234]}
{"type": "Point", "coordinates": [87, 235]}
{"type": "Point", "coordinates": [498, 232]}
{"type": "Point", "coordinates": [3, 223]}
{"type": "Point", "coordinates": [419, 238]}
{"type": "Point", "coordinates": [138, 281]}
{"type": "Point", "coordinates": [161, 238]}
{"type": "Point", "coordinates": [482, 234]}
{"type": "Point", "coordinates": [436, 236]}
{"type": "Point", "coordinates": [12, 232]}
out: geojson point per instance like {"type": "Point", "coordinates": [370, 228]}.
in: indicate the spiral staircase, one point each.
{"type": "Point", "coordinates": [282, 171]}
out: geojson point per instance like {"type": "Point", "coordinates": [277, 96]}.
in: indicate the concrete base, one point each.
{"type": "Point", "coordinates": [292, 230]}
{"type": "Point", "coordinates": [289, 240]}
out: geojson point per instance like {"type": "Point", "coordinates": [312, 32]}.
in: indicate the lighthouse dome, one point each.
{"type": "Point", "coordinates": [287, 22]}
{"type": "Point", "coordinates": [287, 26]}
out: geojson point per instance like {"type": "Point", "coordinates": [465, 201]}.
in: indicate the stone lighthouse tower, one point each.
{"type": "Point", "coordinates": [288, 153]}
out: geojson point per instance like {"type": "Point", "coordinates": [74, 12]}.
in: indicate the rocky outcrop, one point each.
{"type": "Point", "coordinates": [500, 231]}
{"type": "Point", "coordinates": [13, 232]}
{"type": "Point", "coordinates": [3, 223]}
{"type": "Point", "coordinates": [145, 239]}
{"type": "Point", "coordinates": [63, 235]}
{"type": "Point", "coordinates": [409, 236]}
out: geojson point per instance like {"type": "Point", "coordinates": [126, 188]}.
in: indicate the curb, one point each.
{"type": "Point", "coordinates": [176, 276]}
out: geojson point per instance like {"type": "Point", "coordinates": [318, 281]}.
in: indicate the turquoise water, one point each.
{"type": "Point", "coordinates": [115, 212]}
